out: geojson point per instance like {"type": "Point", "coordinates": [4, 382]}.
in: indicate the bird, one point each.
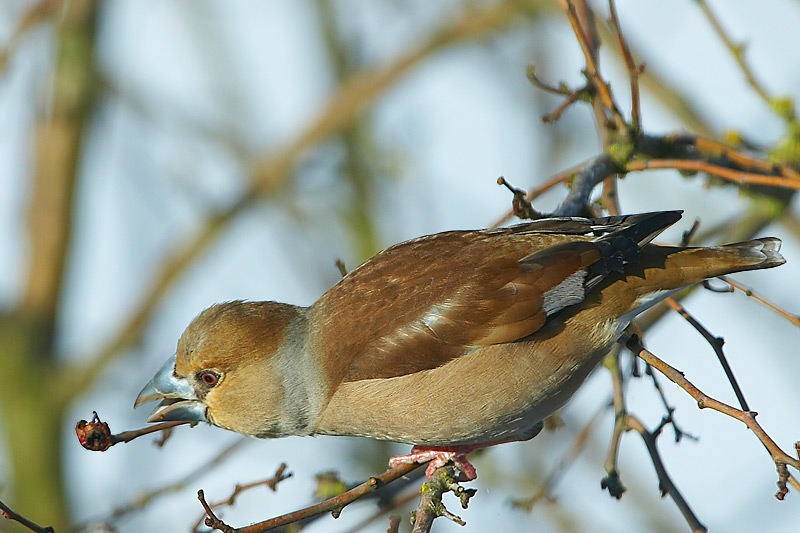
{"type": "Point", "coordinates": [449, 342]}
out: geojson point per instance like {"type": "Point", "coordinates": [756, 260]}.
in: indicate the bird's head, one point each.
{"type": "Point", "coordinates": [226, 370]}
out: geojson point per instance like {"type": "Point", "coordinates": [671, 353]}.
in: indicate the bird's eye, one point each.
{"type": "Point", "coordinates": [209, 378]}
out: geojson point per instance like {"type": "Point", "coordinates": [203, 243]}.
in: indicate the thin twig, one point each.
{"type": "Point", "coordinates": [271, 483]}
{"type": "Point", "coordinates": [592, 71]}
{"type": "Point", "coordinates": [562, 177]}
{"type": "Point", "coordinates": [612, 481]}
{"type": "Point", "coordinates": [665, 483]}
{"type": "Point", "coordinates": [333, 505]}
{"type": "Point", "coordinates": [728, 174]}
{"type": "Point", "coordinates": [736, 50]}
{"type": "Point", "coordinates": [716, 344]}
{"type": "Point", "coordinates": [669, 417]}
{"type": "Point", "coordinates": [633, 69]}
{"type": "Point", "coordinates": [10, 514]}
{"type": "Point", "coordinates": [564, 463]}
{"type": "Point", "coordinates": [794, 319]}
{"type": "Point", "coordinates": [95, 435]}
{"type": "Point", "coordinates": [779, 457]}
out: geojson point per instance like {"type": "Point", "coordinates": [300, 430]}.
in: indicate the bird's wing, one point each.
{"type": "Point", "coordinates": [424, 302]}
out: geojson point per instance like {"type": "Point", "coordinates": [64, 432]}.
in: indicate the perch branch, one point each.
{"type": "Point", "coordinates": [333, 505]}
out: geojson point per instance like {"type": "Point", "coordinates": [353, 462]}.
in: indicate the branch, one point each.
{"type": "Point", "coordinates": [9, 513]}
{"type": "Point", "coordinates": [333, 505]}
{"type": "Point", "coordinates": [794, 319]}
{"type": "Point", "coordinates": [96, 435]}
{"type": "Point", "coordinates": [592, 71]}
{"type": "Point", "coordinates": [633, 69]}
{"type": "Point", "coordinates": [716, 344]}
{"type": "Point", "coordinates": [612, 481]}
{"type": "Point", "coordinates": [735, 176]}
{"type": "Point", "coordinates": [271, 483]}
{"type": "Point", "coordinates": [29, 20]}
{"type": "Point", "coordinates": [665, 484]}
{"type": "Point", "coordinates": [443, 479]}
{"type": "Point", "coordinates": [748, 418]}
{"type": "Point", "coordinates": [737, 51]}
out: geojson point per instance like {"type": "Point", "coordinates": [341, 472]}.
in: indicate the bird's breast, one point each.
{"type": "Point", "coordinates": [496, 392]}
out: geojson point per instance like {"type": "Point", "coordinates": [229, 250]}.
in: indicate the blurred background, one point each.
{"type": "Point", "coordinates": [157, 157]}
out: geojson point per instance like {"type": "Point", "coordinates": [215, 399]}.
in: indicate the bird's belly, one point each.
{"type": "Point", "coordinates": [498, 392]}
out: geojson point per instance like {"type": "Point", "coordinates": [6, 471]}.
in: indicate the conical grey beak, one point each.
{"type": "Point", "coordinates": [179, 401]}
{"type": "Point", "coordinates": [179, 411]}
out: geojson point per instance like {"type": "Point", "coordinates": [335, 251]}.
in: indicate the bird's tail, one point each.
{"type": "Point", "coordinates": [697, 264]}
{"type": "Point", "coordinates": [665, 269]}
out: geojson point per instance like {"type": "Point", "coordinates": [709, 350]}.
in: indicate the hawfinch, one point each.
{"type": "Point", "coordinates": [450, 342]}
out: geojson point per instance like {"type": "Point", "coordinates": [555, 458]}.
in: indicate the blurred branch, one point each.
{"type": "Point", "coordinates": [31, 18]}
{"type": "Point", "coordinates": [10, 514]}
{"type": "Point", "coordinates": [567, 459]}
{"type": "Point", "coordinates": [737, 51]}
{"type": "Point", "coordinates": [355, 139]}
{"type": "Point", "coordinates": [143, 499]}
{"type": "Point", "coordinates": [59, 140]}
{"type": "Point", "coordinates": [30, 408]}
{"type": "Point", "coordinates": [270, 173]}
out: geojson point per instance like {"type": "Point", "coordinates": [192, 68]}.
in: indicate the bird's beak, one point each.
{"type": "Point", "coordinates": [178, 399]}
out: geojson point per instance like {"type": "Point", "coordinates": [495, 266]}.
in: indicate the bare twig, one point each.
{"type": "Point", "coordinates": [10, 514]}
{"type": "Point", "coordinates": [443, 479]}
{"type": "Point", "coordinates": [716, 343]}
{"type": "Point", "coordinates": [271, 483]}
{"type": "Point", "coordinates": [665, 483]}
{"type": "Point", "coordinates": [669, 417]}
{"type": "Point", "coordinates": [564, 463]}
{"type": "Point", "coordinates": [779, 457]}
{"type": "Point", "coordinates": [794, 319]}
{"type": "Point", "coordinates": [96, 436]}
{"type": "Point", "coordinates": [592, 71]}
{"type": "Point", "coordinates": [333, 505]}
{"type": "Point", "coordinates": [735, 176]}
{"type": "Point", "coordinates": [633, 69]}
{"type": "Point", "coordinates": [520, 205]}
{"type": "Point", "coordinates": [561, 177]}
{"type": "Point", "coordinates": [612, 481]}
{"type": "Point", "coordinates": [737, 51]}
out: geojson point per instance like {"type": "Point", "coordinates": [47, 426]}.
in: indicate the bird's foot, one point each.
{"type": "Point", "coordinates": [438, 457]}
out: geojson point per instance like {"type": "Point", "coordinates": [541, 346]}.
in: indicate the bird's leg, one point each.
{"type": "Point", "coordinates": [438, 457]}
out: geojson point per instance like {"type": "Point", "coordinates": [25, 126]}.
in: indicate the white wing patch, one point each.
{"type": "Point", "coordinates": [568, 292]}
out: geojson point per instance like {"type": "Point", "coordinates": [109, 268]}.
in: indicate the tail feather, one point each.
{"type": "Point", "coordinates": [758, 253]}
